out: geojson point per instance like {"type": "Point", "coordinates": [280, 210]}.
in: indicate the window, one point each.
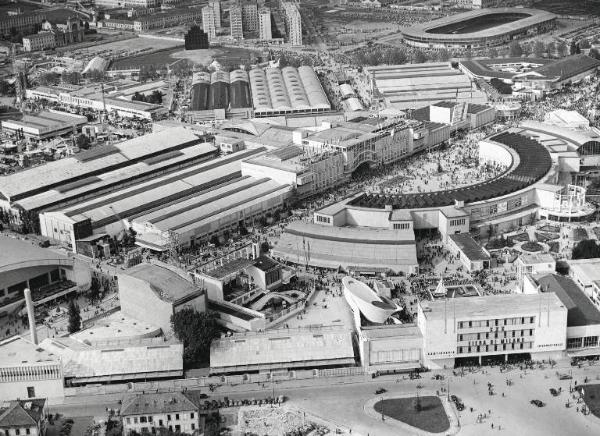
{"type": "Point", "coordinates": [28, 431]}
{"type": "Point", "coordinates": [149, 419]}
{"type": "Point", "coordinates": [168, 417]}
{"type": "Point", "coordinates": [128, 420]}
{"type": "Point", "coordinates": [401, 226]}
{"type": "Point", "coordinates": [590, 341]}
{"type": "Point", "coordinates": [30, 392]}
{"type": "Point", "coordinates": [193, 425]}
{"type": "Point", "coordinates": [192, 415]}
{"type": "Point", "coordinates": [177, 417]}
{"type": "Point", "coordinates": [135, 420]}
{"type": "Point", "coordinates": [177, 428]}
{"type": "Point", "coordinates": [458, 222]}
{"type": "Point", "coordinates": [143, 420]}
{"type": "Point", "coordinates": [160, 422]}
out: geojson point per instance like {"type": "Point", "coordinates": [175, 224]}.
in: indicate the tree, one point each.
{"type": "Point", "coordinates": [492, 52]}
{"type": "Point", "coordinates": [196, 330]}
{"type": "Point", "coordinates": [539, 49]}
{"type": "Point", "coordinates": [83, 142]}
{"type": "Point", "coordinates": [419, 57]}
{"type": "Point", "coordinates": [586, 249]}
{"type": "Point", "coordinates": [573, 48]}
{"type": "Point", "coordinates": [515, 50]}
{"type": "Point", "coordinates": [584, 44]}
{"type": "Point", "coordinates": [50, 78]}
{"type": "Point", "coordinates": [74, 317]}
{"type": "Point", "coordinates": [562, 48]}
{"type": "Point", "coordinates": [443, 55]}
{"type": "Point", "coordinates": [94, 293]}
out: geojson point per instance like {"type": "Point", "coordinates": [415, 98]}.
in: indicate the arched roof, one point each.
{"type": "Point", "coordinates": [277, 90]}
{"type": "Point", "coordinates": [313, 88]}
{"type": "Point", "coordinates": [261, 98]}
{"type": "Point", "coordinates": [295, 88]}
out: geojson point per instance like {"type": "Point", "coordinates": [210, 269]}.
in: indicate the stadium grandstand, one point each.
{"type": "Point", "coordinates": [531, 163]}
{"type": "Point", "coordinates": [479, 28]}
{"type": "Point", "coordinates": [288, 90]}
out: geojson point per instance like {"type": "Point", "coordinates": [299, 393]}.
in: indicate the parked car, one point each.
{"type": "Point", "coordinates": [460, 406]}
{"type": "Point", "coordinates": [538, 403]}
{"type": "Point", "coordinates": [565, 377]}
{"type": "Point", "coordinates": [380, 391]}
{"type": "Point", "coordinates": [554, 392]}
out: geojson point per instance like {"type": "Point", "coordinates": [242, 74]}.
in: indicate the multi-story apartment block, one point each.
{"type": "Point", "coordinates": [208, 22]}
{"type": "Point", "coordinates": [216, 7]}
{"type": "Point", "coordinates": [171, 18]}
{"type": "Point", "coordinates": [264, 24]}
{"type": "Point", "coordinates": [236, 21]}
{"type": "Point", "coordinates": [250, 16]}
{"type": "Point", "coordinates": [140, 4]}
{"type": "Point", "coordinates": [25, 23]}
{"type": "Point", "coordinates": [293, 23]}
{"type": "Point", "coordinates": [39, 41]}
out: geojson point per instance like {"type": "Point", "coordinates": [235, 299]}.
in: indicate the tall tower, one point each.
{"type": "Point", "coordinates": [236, 21]}
{"type": "Point", "coordinates": [250, 15]}
{"type": "Point", "coordinates": [216, 7]}
{"type": "Point", "coordinates": [208, 22]}
{"type": "Point", "coordinates": [293, 22]}
{"type": "Point", "coordinates": [30, 315]}
{"type": "Point", "coordinates": [264, 24]}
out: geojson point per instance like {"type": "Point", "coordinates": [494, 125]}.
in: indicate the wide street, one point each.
{"type": "Point", "coordinates": [341, 401]}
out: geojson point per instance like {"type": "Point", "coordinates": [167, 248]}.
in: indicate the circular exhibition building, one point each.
{"type": "Point", "coordinates": [479, 28]}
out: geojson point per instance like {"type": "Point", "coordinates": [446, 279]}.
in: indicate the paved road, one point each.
{"type": "Point", "coordinates": [343, 403]}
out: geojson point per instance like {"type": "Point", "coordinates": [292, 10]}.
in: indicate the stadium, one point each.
{"type": "Point", "coordinates": [479, 28]}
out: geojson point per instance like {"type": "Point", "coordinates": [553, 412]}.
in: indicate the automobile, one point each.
{"type": "Point", "coordinates": [565, 377]}
{"type": "Point", "coordinates": [380, 391]}
{"type": "Point", "coordinates": [538, 403]}
{"type": "Point", "coordinates": [459, 404]}
{"type": "Point", "coordinates": [554, 392]}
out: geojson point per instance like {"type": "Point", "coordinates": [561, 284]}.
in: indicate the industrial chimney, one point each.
{"type": "Point", "coordinates": [31, 315]}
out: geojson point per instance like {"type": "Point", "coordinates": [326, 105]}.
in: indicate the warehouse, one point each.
{"type": "Point", "coordinates": [289, 90]}
{"type": "Point", "coordinates": [90, 173]}
{"type": "Point", "coordinates": [110, 213]}
{"type": "Point", "coordinates": [213, 212]}
{"type": "Point", "coordinates": [413, 86]}
{"type": "Point", "coordinates": [45, 125]}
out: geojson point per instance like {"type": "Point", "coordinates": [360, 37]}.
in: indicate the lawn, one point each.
{"type": "Point", "coordinates": [592, 398]}
{"type": "Point", "coordinates": [531, 246]}
{"type": "Point", "coordinates": [431, 418]}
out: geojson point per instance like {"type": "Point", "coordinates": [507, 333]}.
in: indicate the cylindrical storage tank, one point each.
{"type": "Point", "coordinates": [200, 91]}
{"type": "Point", "coordinates": [219, 90]}
{"type": "Point", "coordinates": [239, 89]}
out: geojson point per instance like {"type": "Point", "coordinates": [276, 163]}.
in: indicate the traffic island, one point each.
{"type": "Point", "coordinates": [423, 414]}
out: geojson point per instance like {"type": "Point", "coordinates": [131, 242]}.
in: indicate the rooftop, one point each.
{"type": "Point", "coordinates": [18, 351]}
{"type": "Point", "coordinates": [469, 247]}
{"type": "Point", "coordinates": [17, 253]}
{"type": "Point", "coordinates": [96, 161]}
{"type": "Point", "coordinates": [265, 263]}
{"type": "Point", "coordinates": [167, 284]}
{"type": "Point", "coordinates": [490, 306]}
{"type": "Point", "coordinates": [536, 258]}
{"type": "Point", "coordinates": [581, 311]}
{"type": "Point", "coordinates": [22, 413]}
{"type": "Point", "coordinates": [585, 269]}
{"type": "Point", "coordinates": [152, 403]}
{"type": "Point", "coordinates": [285, 347]}
{"type": "Point", "coordinates": [232, 267]}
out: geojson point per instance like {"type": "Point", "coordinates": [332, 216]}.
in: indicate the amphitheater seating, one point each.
{"type": "Point", "coordinates": [534, 163]}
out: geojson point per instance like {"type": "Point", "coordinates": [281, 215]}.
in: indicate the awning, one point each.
{"type": "Point", "coordinates": [93, 238]}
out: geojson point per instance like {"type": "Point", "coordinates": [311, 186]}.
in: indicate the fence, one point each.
{"type": "Point", "coordinates": [199, 382]}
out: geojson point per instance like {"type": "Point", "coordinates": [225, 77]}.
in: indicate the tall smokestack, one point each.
{"type": "Point", "coordinates": [31, 315]}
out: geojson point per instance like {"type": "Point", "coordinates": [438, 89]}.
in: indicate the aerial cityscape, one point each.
{"type": "Point", "coordinates": [299, 218]}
